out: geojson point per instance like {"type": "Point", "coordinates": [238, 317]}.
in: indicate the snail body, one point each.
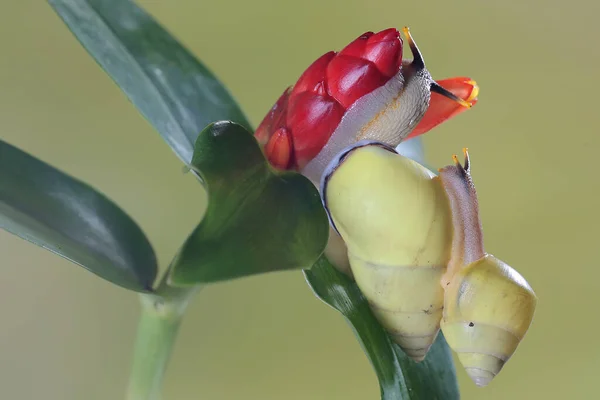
{"type": "Point", "coordinates": [488, 306]}
{"type": "Point", "coordinates": [397, 258]}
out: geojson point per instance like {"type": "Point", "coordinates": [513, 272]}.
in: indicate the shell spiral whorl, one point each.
{"type": "Point", "coordinates": [411, 317]}
{"type": "Point", "coordinates": [393, 216]}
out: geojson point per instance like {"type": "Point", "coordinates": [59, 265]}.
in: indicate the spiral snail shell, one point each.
{"type": "Point", "coordinates": [488, 306]}
{"type": "Point", "coordinates": [394, 218]}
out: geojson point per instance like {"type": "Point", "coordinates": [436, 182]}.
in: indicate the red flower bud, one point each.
{"type": "Point", "coordinates": [313, 118]}
{"type": "Point", "coordinates": [365, 91]}
{"type": "Point", "coordinates": [279, 149]}
{"type": "Point", "coordinates": [314, 76]}
{"type": "Point", "coordinates": [384, 49]}
{"type": "Point", "coordinates": [350, 78]}
{"type": "Point", "coordinates": [274, 120]}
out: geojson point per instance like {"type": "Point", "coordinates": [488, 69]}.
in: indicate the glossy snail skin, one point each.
{"type": "Point", "coordinates": [394, 217]}
{"type": "Point", "coordinates": [488, 306]}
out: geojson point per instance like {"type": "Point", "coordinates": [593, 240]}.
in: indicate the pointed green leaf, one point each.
{"type": "Point", "coordinates": [176, 93]}
{"type": "Point", "coordinates": [57, 212]}
{"type": "Point", "coordinates": [400, 378]}
{"type": "Point", "coordinates": [257, 220]}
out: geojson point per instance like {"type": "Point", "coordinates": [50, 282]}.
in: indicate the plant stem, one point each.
{"type": "Point", "coordinates": [159, 323]}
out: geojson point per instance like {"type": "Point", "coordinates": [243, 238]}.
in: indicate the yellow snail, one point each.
{"type": "Point", "coordinates": [415, 247]}
{"type": "Point", "coordinates": [488, 306]}
{"type": "Point", "coordinates": [398, 244]}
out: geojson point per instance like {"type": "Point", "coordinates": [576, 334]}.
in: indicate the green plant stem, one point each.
{"type": "Point", "coordinates": [159, 323]}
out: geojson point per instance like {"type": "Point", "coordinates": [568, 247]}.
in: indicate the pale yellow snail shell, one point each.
{"type": "Point", "coordinates": [488, 306]}
{"type": "Point", "coordinates": [488, 309]}
{"type": "Point", "coordinates": [394, 218]}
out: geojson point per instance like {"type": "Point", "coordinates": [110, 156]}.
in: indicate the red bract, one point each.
{"type": "Point", "coordinates": [366, 91]}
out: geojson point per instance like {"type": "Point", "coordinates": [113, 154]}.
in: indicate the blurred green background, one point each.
{"type": "Point", "coordinates": [533, 140]}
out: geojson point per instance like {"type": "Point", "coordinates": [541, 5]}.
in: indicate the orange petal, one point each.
{"type": "Point", "coordinates": [442, 108]}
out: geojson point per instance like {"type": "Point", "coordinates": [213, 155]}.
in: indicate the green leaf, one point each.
{"type": "Point", "coordinates": [57, 212]}
{"type": "Point", "coordinates": [257, 220]}
{"type": "Point", "coordinates": [176, 93]}
{"type": "Point", "coordinates": [400, 378]}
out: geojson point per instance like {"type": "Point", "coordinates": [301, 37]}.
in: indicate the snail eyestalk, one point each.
{"type": "Point", "coordinates": [488, 306]}
{"type": "Point", "coordinates": [467, 165]}
{"type": "Point", "coordinates": [418, 63]}
{"type": "Point", "coordinates": [437, 88]}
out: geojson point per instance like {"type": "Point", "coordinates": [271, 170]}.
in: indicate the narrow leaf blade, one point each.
{"type": "Point", "coordinates": [176, 93]}
{"type": "Point", "coordinates": [55, 211]}
{"type": "Point", "coordinates": [258, 219]}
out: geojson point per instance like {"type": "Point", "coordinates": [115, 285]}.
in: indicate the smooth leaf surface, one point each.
{"type": "Point", "coordinates": [176, 93]}
{"type": "Point", "coordinates": [400, 378]}
{"type": "Point", "coordinates": [53, 210]}
{"type": "Point", "coordinates": [257, 219]}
